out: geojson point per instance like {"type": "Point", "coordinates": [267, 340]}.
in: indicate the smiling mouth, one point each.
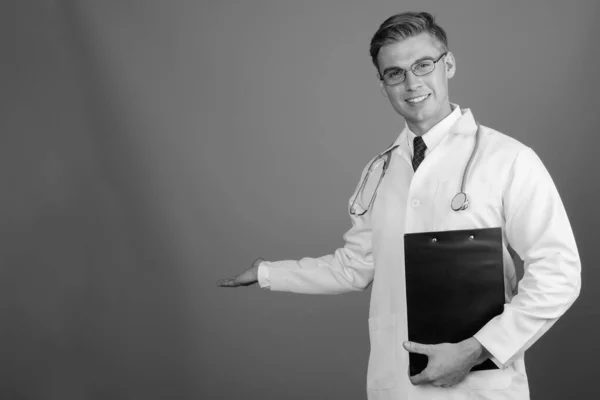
{"type": "Point", "coordinates": [416, 100]}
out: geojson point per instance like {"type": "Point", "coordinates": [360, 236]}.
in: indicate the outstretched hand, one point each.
{"type": "Point", "coordinates": [246, 278]}
{"type": "Point", "coordinates": [449, 363]}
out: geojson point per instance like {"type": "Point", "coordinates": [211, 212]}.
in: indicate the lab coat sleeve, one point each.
{"type": "Point", "coordinates": [349, 268]}
{"type": "Point", "coordinates": [538, 229]}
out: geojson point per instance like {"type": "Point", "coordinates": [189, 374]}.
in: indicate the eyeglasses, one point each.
{"type": "Point", "coordinates": [397, 75]}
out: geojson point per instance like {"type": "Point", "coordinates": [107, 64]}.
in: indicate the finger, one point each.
{"type": "Point", "coordinates": [222, 282]}
{"type": "Point", "coordinates": [420, 378]}
{"type": "Point", "coordinates": [444, 382]}
{"type": "Point", "coordinates": [419, 348]}
{"type": "Point", "coordinates": [229, 282]}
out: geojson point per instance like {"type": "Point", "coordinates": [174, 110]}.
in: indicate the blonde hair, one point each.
{"type": "Point", "coordinates": [404, 25]}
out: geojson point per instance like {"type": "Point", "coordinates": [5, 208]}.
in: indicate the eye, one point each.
{"type": "Point", "coordinates": [394, 73]}
{"type": "Point", "coordinates": [423, 65]}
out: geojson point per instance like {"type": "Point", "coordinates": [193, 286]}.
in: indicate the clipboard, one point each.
{"type": "Point", "coordinates": [454, 286]}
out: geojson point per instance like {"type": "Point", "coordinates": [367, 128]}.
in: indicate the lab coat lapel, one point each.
{"type": "Point", "coordinates": [435, 165]}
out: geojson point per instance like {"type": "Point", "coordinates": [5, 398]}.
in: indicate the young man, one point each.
{"type": "Point", "coordinates": [507, 187]}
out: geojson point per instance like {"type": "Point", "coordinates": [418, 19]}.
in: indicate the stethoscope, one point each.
{"type": "Point", "coordinates": [459, 202]}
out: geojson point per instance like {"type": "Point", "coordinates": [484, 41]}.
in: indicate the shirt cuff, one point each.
{"type": "Point", "coordinates": [263, 276]}
{"type": "Point", "coordinates": [494, 359]}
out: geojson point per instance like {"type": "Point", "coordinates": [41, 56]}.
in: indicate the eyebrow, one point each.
{"type": "Point", "coordinates": [395, 68]}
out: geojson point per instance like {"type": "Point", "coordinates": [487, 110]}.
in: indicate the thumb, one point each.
{"type": "Point", "coordinates": [419, 348]}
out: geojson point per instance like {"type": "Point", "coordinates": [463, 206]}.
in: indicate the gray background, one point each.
{"type": "Point", "coordinates": [149, 148]}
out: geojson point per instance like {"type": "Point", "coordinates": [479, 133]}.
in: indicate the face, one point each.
{"type": "Point", "coordinates": [421, 100]}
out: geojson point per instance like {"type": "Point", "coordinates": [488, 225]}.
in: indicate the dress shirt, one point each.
{"type": "Point", "coordinates": [434, 136]}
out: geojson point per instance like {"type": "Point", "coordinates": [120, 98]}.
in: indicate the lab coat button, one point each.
{"type": "Point", "coordinates": [416, 203]}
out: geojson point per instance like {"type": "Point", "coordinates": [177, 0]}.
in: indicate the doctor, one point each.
{"type": "Point", "coordinates": [507, 186]}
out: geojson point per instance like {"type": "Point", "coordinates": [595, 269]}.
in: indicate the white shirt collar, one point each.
{"type": "Point", "coordinates": [434, 136]}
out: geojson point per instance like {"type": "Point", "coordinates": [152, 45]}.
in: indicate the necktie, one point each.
{"type": "Point", "coordinates": [419, 148]}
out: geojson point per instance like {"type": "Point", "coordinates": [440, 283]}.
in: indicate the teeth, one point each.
{"type": "Point", "coordinates": [417, 99]}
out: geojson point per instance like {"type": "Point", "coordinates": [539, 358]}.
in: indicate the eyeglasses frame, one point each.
{"type": "Point", "coordinates": [381, 77]}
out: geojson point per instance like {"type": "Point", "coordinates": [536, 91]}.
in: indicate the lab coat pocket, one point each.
{"type": "Point", "coordinates": [493, 379]}
{"type": "Point", "coordinates": [382, 369]}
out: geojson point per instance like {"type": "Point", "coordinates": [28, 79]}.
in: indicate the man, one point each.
{"type": "Point", "coordinates": [508, 187]}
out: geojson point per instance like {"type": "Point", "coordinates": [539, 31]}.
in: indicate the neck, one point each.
{"type": "Point", "coordinates": [420, 128]}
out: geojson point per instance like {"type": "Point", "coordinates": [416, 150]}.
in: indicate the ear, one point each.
{"type": "Point", "coordinates": [450, 64]}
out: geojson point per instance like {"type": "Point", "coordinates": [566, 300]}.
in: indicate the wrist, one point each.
{"type": "Point", "coordinates": [261, 277]}
{"type": "Point", "coordinates": [476, 350]}
{"type": "Point", "coordinates": [257, 262]}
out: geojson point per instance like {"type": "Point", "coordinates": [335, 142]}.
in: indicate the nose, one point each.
{"type": "Point", "coordinates": [412, 81]}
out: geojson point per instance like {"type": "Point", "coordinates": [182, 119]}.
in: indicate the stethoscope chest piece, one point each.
{"type": "Point", "coordinates": [460, 202]}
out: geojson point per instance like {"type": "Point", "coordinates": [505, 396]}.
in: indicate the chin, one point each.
{"type": "Point", "coordinates": [418, 117]}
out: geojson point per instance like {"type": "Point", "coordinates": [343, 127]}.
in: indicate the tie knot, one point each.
{"type": "Point", "coordinates": [419, 145]}
{"type": "Point", "coordinates": [419, 148]}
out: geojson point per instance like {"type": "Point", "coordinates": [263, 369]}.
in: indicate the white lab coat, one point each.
{"type": "Point", "coordinates": [508, 187]}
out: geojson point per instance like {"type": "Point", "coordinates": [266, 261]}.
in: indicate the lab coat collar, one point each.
{"type": "Point", "coordinates": [437, 133]}
{"type": "Point", "coordinates": [465, 125]}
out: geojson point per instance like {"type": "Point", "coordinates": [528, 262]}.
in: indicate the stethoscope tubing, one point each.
{"type": "Point", "coordinates": [465, 201]}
